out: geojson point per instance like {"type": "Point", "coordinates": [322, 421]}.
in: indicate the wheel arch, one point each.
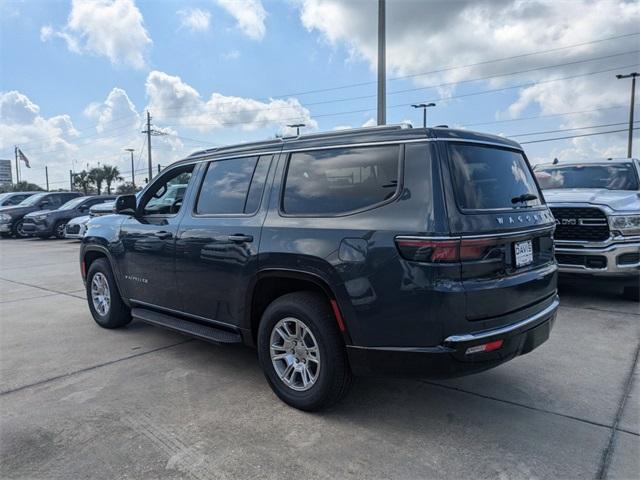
{"type": "Point", "coordinates": [90, 254]}
{"type": "Point", "coordinates": [271, 284]}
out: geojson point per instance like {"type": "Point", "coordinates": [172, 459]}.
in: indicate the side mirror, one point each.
{"type": "Point", "coordinates": [44, 204]}
{"type": "Point", "coordinates": [126, 205]}
{"type": "Point", "coordinates": [83, 208]}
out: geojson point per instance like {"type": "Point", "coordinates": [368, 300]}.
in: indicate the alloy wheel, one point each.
{"type": "Point", "coordinates": [295, 354]}
{"type": "Point", "coordinates": [100, 294]}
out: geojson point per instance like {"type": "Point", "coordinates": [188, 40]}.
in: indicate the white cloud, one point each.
{"type": "Point", "coordinates": [232, 55]}
{"type": "Point", "coordinates": [22, 124]}
{"type": "Point", "coordinates": [109, 28]}
{"type": "Point", "coordinates": [116, 108]}
{"type": "Point", "coordinates": [250, 16]}
{"type": "Point", "coordinates": [420, 39]}
{"type": "Point", "coordinates": [172, 99]}
{"type": "Point", "coordinates": [194, 19]}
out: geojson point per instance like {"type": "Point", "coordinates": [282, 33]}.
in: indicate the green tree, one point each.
{"type": "Point", "coordinates": [109, 175]}
{"type": "Point", "coordinates": [126, 187]}
{"type": "Point", "coordinates": [82, 181]}
{"type": "Point", "coordinates": [96, 176]}
{"type": "Point", "coordinates": [21, 187]}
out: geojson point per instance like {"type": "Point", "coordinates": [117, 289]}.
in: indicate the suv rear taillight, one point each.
{"type": "Point", "coordinates": [436, 250]}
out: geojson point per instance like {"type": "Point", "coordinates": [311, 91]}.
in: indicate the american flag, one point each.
{"type": "Point", "coordinates": [24, 158]}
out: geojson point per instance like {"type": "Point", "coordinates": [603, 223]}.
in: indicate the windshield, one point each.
{"type": "Point", "coordinates": [32, 200]}
{"type": "Point", "coordinates": [616, 176]}
{"type": "Point", "coordinates": [487, 178]}
{"type": "Point", "coordinates": [71, 204]}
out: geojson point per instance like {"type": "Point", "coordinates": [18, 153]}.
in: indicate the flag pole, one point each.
{"type": "Point", "coordinates": [17, 166]}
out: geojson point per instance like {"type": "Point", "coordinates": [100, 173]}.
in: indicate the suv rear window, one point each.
{"type": "Point", "coordinates": [340, 180]}
{"type": "Point", "coordinates": [488, 178]}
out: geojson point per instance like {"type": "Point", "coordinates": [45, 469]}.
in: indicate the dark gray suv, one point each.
{"type": "Point", "coordinates": [380, 251]}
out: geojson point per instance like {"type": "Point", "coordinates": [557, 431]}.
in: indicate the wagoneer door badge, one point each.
{"type": "Point", "coordinates": [133, 278]}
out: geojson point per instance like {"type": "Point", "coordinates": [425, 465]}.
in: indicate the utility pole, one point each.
{"type": "Point", "coordinates": [159, 168]}
{"type": "Point", "coordinates": [133, 172]}
{"type": "Point", "coordinates": [46, 176]}
{"type": "Point", "coordinates": [382, 65]}
{"type": "Point", "coordinates": [15, 150]}
{"type": "Point", "coordinates": [71, 180]}
{"type": "Point", "coordinates": [424, 107]}
{"type": "Point", "coordinates": [633, 99]}
{"type": "Point", "coordinates": [150, 131]}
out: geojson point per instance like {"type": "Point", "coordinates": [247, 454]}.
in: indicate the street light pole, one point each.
{"type": "Point", "coordinates": [424, 107]}
{"type": "Point", "coordinates": [633, 76]}
{"type": "Point", "coordinates": [133, 173]}
{"type": "Point", "coordinates": [382, 64]}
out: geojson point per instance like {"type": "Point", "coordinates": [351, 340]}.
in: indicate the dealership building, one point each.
{"type": "Point", "coordinates": [5, 172]}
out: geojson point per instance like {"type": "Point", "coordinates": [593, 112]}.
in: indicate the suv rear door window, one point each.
{"type": "Point", "coordinates": [233, 186]}
{"type": "Point", "coordinates": [341, 180]}
{"type": "Point", "coordinates": [488, 178]}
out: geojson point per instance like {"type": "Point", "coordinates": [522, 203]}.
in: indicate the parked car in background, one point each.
{"type": "Point", "coordinates": [375, 251]}
{"type": "Point", "coordinates": [13, 198]}
{"type": "Point", "coordinates": [100, 209]}
{"type": "Point", "coordinates": [47, 223]}
{"type": "Point", "coordinates": [11, 218]}
{"type": "Point", "coordinates": [76, 227]}
{"type": "Point", "coordinates": [596, 205]}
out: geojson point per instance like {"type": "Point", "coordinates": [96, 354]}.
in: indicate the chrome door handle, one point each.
{"type": "Point", "coordinates": [163, 235]}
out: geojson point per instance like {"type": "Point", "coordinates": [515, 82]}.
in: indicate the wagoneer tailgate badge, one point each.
{"type": "Point", "coordinates": [536, 217]}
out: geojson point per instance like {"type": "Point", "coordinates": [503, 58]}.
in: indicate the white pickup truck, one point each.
{"type": "Point", "coordinates": [596, 205]}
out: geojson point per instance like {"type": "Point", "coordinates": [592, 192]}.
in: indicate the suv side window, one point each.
{"type": "Point", "coordinates": [166, 194]}
{"type": "Point", "coordinates": [341, 180]}
{"type": "Point", "coordinates": [233, 186]}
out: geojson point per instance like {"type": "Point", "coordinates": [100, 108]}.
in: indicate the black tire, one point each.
{"type": "Point", "coordinates": [17, 230]}
{"type": "Point", "coordinates": [632, 292]}
{"type": "Point", "coordinates": [58, 229]}
{"type": "Point", "coordinates": [334, 375]}
{"type": "Point", "coordinates": [117, 314]}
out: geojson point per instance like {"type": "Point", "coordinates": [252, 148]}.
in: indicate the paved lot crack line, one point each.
{"type": "Point", "coordinates": [93, 367]}
{"type": "Point", "coordinates": [529, 407]}
{"type": "Point", "coordinates": [607, 455]}
{"type": "Point", "coordinates": [600, 310]}
{"type": "Point", "coordinates": [28, 298]}
{"type": "Point", "coordinates": [41, 288]}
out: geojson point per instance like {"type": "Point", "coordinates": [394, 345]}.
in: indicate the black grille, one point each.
{"type": "Point", "coordinates": [589, 224]}
{"type": "Point", "coordinates": [590, 261]}
{"type": "Point", "coordinates": [73, 229]}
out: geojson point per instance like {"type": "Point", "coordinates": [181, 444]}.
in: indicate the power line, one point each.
{"type": "Point", "coordinates": [446, 69]}
{"type": "Point", "coordinates": [534, 117]}
{"type": "Point", "coordinates": [439, 70]}
{"type": "Point", "coordinates": [568, 129]}
{"type": "Point", "coordinates": [577, 136]}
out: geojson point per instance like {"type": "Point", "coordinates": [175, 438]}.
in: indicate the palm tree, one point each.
{"type": "Point", "coordinates": [82, 180]}
{"type": "Point", "coordinates": [110, 174]}
{"type": "Point", "coordinates": [96, 176]}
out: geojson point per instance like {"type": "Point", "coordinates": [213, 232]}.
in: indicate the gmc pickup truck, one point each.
{"type": "Point", "coordinates": [596, 205]}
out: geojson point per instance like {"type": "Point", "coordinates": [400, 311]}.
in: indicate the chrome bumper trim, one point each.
{"type": "Point", "coordinates": [514, 327]}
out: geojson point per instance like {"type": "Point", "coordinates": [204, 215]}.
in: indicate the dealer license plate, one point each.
{"type": "Point", "coordinates": [524, 253]}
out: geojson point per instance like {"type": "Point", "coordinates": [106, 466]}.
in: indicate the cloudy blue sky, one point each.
{"type": "Point", "coordinates": [76, 77]}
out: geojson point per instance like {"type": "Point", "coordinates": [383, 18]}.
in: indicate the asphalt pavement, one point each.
{"type": "Point", "coordinates": [77, 401]}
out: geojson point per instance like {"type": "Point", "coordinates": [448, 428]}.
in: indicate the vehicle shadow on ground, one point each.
{"type": "Point", "coordinates": [596, 294]}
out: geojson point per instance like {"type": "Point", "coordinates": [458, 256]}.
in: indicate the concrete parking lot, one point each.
{"type": "Point", "coordinates": [77, 401]}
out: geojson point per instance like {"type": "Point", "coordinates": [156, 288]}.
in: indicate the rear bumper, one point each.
{"type": "Point", "coordinates": [450, 358]}
{"type": "Point", "coordinates": [614, 259]}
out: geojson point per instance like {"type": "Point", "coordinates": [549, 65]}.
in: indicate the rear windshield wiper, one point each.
{"type": "Point", "coordinates": [525, 197]}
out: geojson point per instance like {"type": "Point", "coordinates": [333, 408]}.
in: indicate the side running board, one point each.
{"type": "Point", "coordinates": [203, 332]}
